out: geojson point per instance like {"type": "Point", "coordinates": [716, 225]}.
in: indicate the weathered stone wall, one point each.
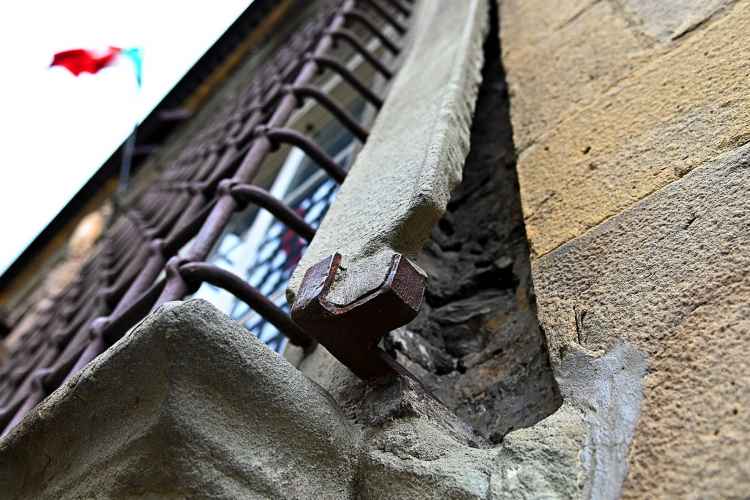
{"type": "Point", "coordinates": [631, 127]}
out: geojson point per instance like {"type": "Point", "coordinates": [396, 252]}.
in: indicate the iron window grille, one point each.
{"type": "Point", "coordinates": [161, 247]}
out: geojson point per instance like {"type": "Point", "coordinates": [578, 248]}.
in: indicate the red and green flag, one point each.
{"type": "Point", "coordinates": [79, 61]}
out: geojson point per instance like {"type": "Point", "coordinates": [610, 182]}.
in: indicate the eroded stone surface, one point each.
{"type": "Point", "coordinates": [414, 457]}
{"type": "Point", "coordinates": [416, 157]}
{"type": "Point", "coordinates": [669, 276]}
{"type": "Point", "coordinates": [676, 113]}
{"type": "Point", "coordinates": [607, 390]}
{"type": "Point", "coordinates": [543, 461]}
{"type": "Point", "coordinates": [188, 404]}
{"type": "Point", "coordinates": [670, 19]}
{"type": "Point", "coordinates": [564, 59]}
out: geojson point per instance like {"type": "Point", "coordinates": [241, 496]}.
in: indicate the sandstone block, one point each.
{"type": "Point", "coordinates": [563, 60]}
{"type": "Point", "coordinates": [669, 277]}
{"type": "Point", "coordinates": [188, 404]}
{"type": "Point", "coordinates": [526, 23]}
{"type": "Point", "coordinates": [678, 112]}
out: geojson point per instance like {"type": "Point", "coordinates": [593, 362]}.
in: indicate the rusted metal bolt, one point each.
{"type": "Point", "coordinates": [351, 332]}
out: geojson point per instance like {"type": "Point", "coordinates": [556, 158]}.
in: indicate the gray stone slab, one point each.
{"type": "Point", "coordinates": [401, 181]}
{"type": "Point", "coordinates": [188, 404]}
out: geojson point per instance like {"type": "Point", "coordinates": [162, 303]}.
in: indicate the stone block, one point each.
{"type": "Point", "coordinates": [674, 114]}
{"type": "Point", "coordinates": [667, 20]}
{"type": "Point", "coordinates": [559, 60]}
{"type": "Point", "coordinates": [668, 277]}
{"type": "Point", "coordinates": [413, 458]}
{"type": "Point", "coordinates": [544, 461]}
{"type": "Point", "coordinates": [186, 405]}
{"type": "Point", "coordinates": [403, 176]}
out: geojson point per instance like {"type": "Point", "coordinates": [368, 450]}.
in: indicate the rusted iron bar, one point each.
{"type": "Point", "coordinates": [364, 21]}
{"type": "Point", "coordinates": [302, 91]}
{"type": "Point", "coordinates": [289, 136]}
{"type": "Point", "coordinates": [348, 76]}
{"type": "Point", "coordinates": [351, 39]}
{"type": "Point", "coordinates": [387, 16]}
{"type": "Point", "coordinates": [196, 272]}
{"type": "Point", "coordinates": [247, 193]}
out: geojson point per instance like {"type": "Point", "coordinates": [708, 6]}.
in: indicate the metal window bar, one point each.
{"type": "Point", "coordinates": [268, 259]}
{"type": "Point", "coordinates": [139, 263]}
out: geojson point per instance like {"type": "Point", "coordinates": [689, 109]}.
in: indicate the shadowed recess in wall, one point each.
{"type": "Point", "coordinates": [476, 343]}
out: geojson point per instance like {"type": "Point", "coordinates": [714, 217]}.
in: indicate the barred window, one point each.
{"type": "Point", "coordinates": [263, 249]}
{"type": "Point", "coordinates": [229, 215]}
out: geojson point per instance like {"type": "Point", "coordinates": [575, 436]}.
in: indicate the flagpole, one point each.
{"type": "Point", "coordinates": [127, 161]}
{"type": "Point", "coordinates": [129, 151]}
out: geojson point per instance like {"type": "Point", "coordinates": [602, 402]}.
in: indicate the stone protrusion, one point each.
{"type": "Point", "coordinates": [188, 404]}
{"type": "Point", "coordinates": [403, 176]}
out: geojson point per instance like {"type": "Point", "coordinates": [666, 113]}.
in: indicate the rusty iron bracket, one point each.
{"type": "Point", "coordinates": [352, 331]}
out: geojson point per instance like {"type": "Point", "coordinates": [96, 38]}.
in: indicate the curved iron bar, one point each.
{"type": "Point", "coordinates": [350, 78]}
{"type": "Point", "coordinates": [345, 118]}
{"type": "Point", "coordinates": [356, 15]}
{"type": "Point", "coordinates": [387, 16]}
{"type": "Point", "coordinates": [400, 7]}
{"type": "Point", "coordinates": [294, 138]}
{"type": "Point", "coordinates": [352, 39]}
{"type": "Point", "coordinates": [198, 272]}
{"type": "Point", "coordinates": [248, 193]}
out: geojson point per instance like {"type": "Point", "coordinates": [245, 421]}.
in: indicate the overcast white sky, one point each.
{"type": "Point", "coordinates": [56, 129]}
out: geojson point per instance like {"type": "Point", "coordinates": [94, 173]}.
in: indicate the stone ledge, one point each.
{"type": "Point", "coordinates": [188, 403]}
{"type": "Point", "coordinates": [416, 157]}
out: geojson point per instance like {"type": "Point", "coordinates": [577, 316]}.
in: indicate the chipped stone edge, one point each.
{"type": "Point", "coordinates": [444, 148]}
{"type": "Point", "coordinates": [132, 402]}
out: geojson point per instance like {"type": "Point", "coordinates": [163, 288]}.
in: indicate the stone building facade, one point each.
{"type": "Point", "coordinates": [572, 181]}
